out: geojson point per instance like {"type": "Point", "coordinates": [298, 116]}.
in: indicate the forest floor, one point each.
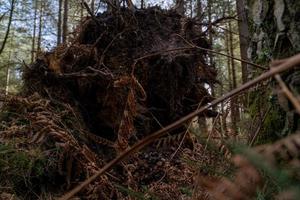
{"type": "Point", "coordinates": [94, 115]}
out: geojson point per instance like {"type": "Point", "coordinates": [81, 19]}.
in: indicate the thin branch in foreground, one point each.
{"type": "Point", "coordinates": [284, 87]}
{"type": "Point", "coordinates": [288, 93]}
{"type": "Point", "coordinates": [289, 63]}
{"type": "Point", "coordinates": [259, 127]}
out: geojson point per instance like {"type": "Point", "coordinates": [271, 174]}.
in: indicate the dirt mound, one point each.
{"type": "Point", "coordinates": [138, 61]}
{"type": "Point", "coordinates": [122, 77]}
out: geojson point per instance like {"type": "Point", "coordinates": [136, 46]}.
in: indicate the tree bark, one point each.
{"type": "Point", "coordinates": [8, 26]}
{"type": "Point", "coordinates": [275, 30]}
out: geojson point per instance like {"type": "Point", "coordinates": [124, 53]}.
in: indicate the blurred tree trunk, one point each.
{"type": "Point", "coordinates": [201, 120]}
{"type": "Point", "coordinates": [7, 80]}
{"type": "Point", "coordinates": [179, 7]}
{"type": "Point", "coordinates": [191, 8]}
{"type": "Point", "coordinates": [39, 39]}
{"type": "Point", "coordinates": [229, 71]}
{"type": "Point", "coordinates": [33, 50]}
{"type": "Point", "coordinates": [234, 101]}
{"type": "Point", "coordinates": [210, 40]}
{"type": "Point", "coordinates": [65, 21]}
{"type": "Point", "coordinates": [59, 22]}
{"type": "Point", "coordinates": [243, 35]}
{"type": "Point", "coordinates": [199, 11]}
{"type": "Point", "coordinates": [12, 7]}
{"type": "Point", "coordinates": [93, 6]}
{"type": "Point", "coordinates": [244, 44]}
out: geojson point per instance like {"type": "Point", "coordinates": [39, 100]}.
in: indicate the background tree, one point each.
{"type": "Point", "coordinates": [65, 21]}
{"type": "Point", "coordinates": [8, 26]}
{"type": "Point", "coordinates": [243, 36]}
{"type": "Point", "coordinates": [59, 22]}
{"type": "Point", "coordinates": [274, 34]}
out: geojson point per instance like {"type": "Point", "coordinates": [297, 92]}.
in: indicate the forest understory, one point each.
{"type": "Point", "coordinates": [127, 109]}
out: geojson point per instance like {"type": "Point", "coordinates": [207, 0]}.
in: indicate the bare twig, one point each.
{"type": "Point", "coordinates": [210, 25]}
{"type": "Point", "coordinates": [108, 46]}
{"type": "Point", "coordinates": [259, 127]}
{"type": "Point", "coordinates": [222, 54]}
{"type": "Point", "coordinates": [288, 93]}
{"type": "Point", "coordinates": [187, 131]}
{"type": "Point", "coordinates": [284, 88]}
{"type": "Point", "coordinates": [210, 132]}
{"type": "Point", "coordinates": [2, 16]}
{"type": "Point", "coordinates": [106, 1]}
{"type": "Point", "coordinates": [90, 12]}
{"type": "Point", "coordinates": [295, 60]}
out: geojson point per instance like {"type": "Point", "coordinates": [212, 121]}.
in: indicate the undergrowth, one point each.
{"type": "Point", "coordinates": [21, 170]}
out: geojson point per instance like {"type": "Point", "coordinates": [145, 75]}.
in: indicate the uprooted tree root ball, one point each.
{"type": "Point", "coordinates": [123, 76]}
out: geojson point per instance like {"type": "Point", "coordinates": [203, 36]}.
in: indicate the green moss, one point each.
{"type": "Point", "coordinates": [187, 191]}
{"type": "Point", "coordinates": [274, 123]}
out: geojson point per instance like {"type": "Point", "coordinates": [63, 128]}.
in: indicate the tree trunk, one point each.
{"type": "Point", "coordinates": [275, 31]}
{"type": "Point", "coordinates": [59, 22]}
{"type": "Point", "coordinates": [33, 50]}
{"type": "Point", "coordinates": [210, 38]}
{"type": "Point", "coordinates": [179, 7]}
{"type": "Point", "coordinates": [201, 120]}
{"type": "Point", "coordinates": [39, 41]}
{"type": "Point", "coordinates": [7, 75]}
{"type": "Point", "coordinates": [93, 6]}
{"type": "Point", "coordinates": [199, 9]}
{"type": "Point", "coordinates": [8, 26]}
{"type": "Point", "coordinates": [191, 8]}
{"type": "Point", "coordinates": [244, 36]}
{"type": "Point", "coordinates": [7, 80]}
{"type": "Point", "coordinates": [234, 101]}
{"type": "Point", "coordinates": [65, 21]}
